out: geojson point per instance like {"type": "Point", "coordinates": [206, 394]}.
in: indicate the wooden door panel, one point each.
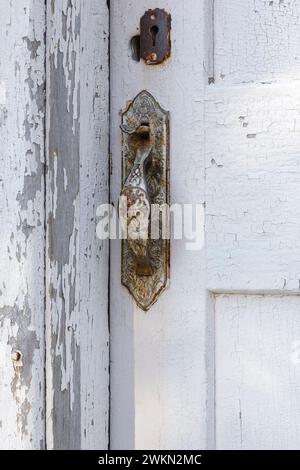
{"type": "Point", "coordinates": [256, 40]}
{"type": "Point", "coordinates": [252, 143]}
{"type": "Point", "coordinates": [252, 187]}
{"type": "Point", "coordinates": [257, 372]}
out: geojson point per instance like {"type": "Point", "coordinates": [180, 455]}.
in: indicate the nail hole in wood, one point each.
{"type": "Point", "coordinates": [16, 356]}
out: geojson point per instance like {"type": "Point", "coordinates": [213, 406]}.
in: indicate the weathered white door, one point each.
{"type": "Point", "coordinates": [214, 363]}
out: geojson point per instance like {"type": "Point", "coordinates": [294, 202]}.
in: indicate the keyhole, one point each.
{"type": "Point", "coordinates": [154, 31]}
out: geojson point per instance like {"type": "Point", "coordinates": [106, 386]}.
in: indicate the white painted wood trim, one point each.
{"type": "Point", "coordinates": [159, 381]}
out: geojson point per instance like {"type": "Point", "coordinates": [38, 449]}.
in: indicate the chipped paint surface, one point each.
{"type": "Point", "coordinates": [22, 224]}
{"type": "Point", "coordinates": [77, 263]}
{"type": "Point", "coordinates": [253, 197]}
{"type": "Point", "coordinates": [256, 40]}
{"type": "Point", "coordinates": [252, 222]}
{"type": "Point", "coordinates": [77, 325]}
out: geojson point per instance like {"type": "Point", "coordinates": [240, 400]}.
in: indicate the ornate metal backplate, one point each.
{"type": "Point", "coordinates": [145, 181]}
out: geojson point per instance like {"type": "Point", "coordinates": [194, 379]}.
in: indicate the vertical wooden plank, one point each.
{"type": "Point", "coordinates": [77, 268]}
{"type": "Point", "coordinates": [159, 366]}
{"type": "Point", "coordinates": [94, 267]}
{"type": "Point", "coordinates": [257, 372]}
{"type": "Point", "coordinates": [22, 224]}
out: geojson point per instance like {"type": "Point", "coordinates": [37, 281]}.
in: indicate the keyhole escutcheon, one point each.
{"type": "Point", "coordinates": [155, 39]}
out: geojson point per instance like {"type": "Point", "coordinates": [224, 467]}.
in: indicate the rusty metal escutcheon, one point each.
{"type": "Point", "coordinates": [155, 40]}
{"type": "Point", "coordinates": [145, 189]}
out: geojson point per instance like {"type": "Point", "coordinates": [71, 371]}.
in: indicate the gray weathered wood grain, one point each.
{"type": "Point", "coordinates": [77, 262]}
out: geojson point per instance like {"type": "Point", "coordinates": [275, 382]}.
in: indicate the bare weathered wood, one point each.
{"type": "Point", "coordinates": [22, 224]}
{"type": "Point", "coordinates": [77, 268]}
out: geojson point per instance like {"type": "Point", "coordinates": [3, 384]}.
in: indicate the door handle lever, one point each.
{"type": "Point", "coordinates": [138, 209]}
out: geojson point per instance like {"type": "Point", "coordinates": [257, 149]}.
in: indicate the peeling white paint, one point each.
{"type": "Point", "coordinates": [2, 92]}
{"type": "Point", "coordinates": [65, 39]}
{"type": "Point", "coordinates": [54, 196]}
{"type": "Point", "coordinates": [22, 224]}
{"type": "Point", "coordinates": [77, 268]}
{"type": "Point", "coordinates": [77, 263]}
{"type": "Point", "coordinates": [65, 180]}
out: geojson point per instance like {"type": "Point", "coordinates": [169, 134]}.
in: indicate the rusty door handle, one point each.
{"type": "Point", "coordinates": [145, 144]}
